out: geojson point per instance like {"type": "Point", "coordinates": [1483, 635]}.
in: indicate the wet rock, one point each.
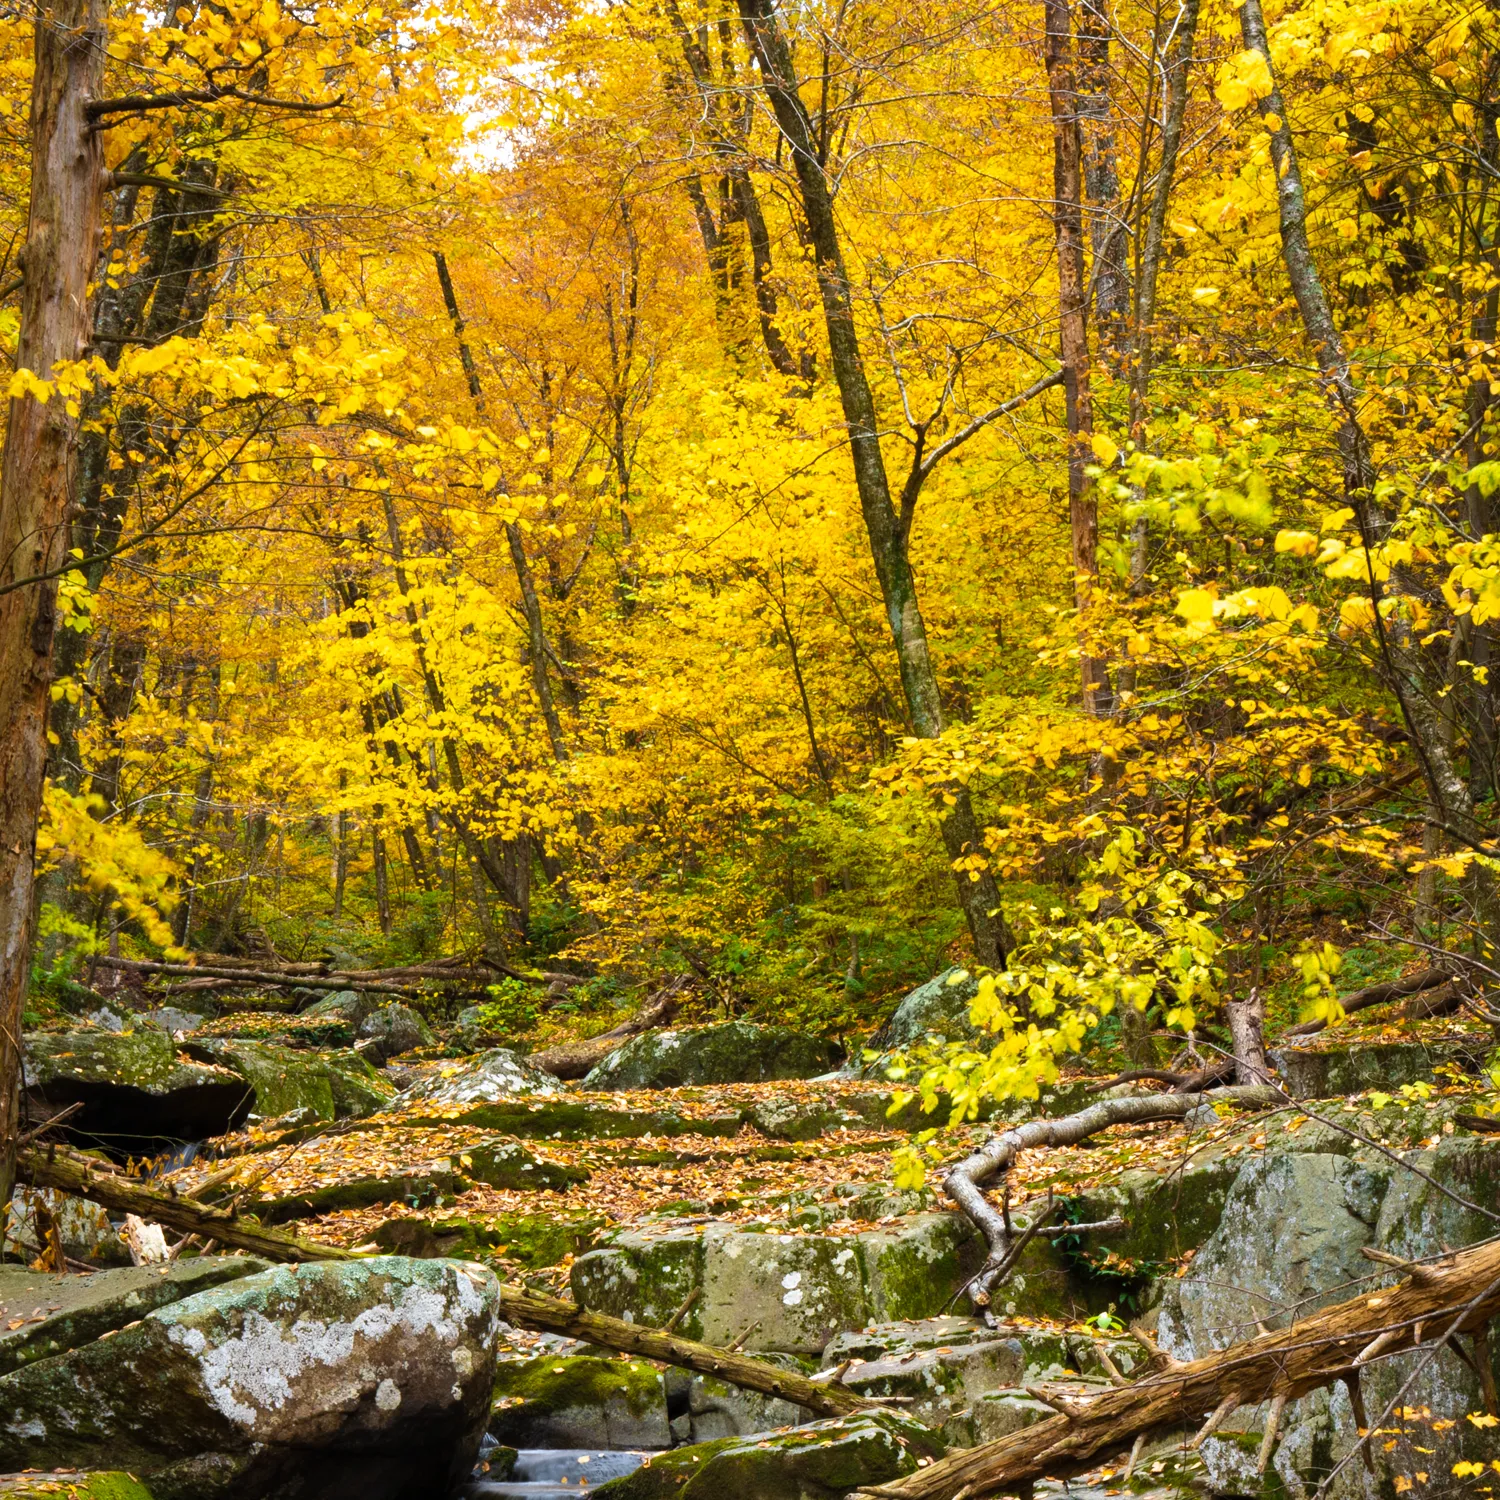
{"type": "Point", "coordinates": [508, 1164]}
{"type": "Point", "coordinates": [703, 1410]}
{"type": "Point", "coordinates": [492, 1077]}
{"type": "Point", "coordinates": [392, 1030]}
{"type": "Point", "coordinates": [818, 1462]}
{"type": "Point", "coordinates": [579, 1401]}
{"type": "Point", "coordinates": [84, 1229]}
{"type": "Point", "coordinates": [135, 1088]}
{"type": "Point", "coordinates": [732, 1052]}
{"type": "Point", "coordinates": [331, 1085]}
{"type": "Point", "coordinates": [363, 1377]}
{"type": "Point", "coordinates": [54, 1314]}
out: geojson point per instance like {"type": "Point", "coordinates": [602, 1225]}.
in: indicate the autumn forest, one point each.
{"type": "Point", "coordinates": [728, 509]}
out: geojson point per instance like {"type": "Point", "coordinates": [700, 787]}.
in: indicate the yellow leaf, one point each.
{"type": "Point", "coordinates": [1196, 606]}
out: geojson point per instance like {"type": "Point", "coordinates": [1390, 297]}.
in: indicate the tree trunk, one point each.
{"type": "Point", "coordinates": [1073, 340]}
{"type": "Point", "coordinates": [1247, 1021]}
{"type": "Point", "coordinates": [1335, 376]}
{"type": "Point", "coordinates": [37, 478]}
{"type": "Point", "coordinates": [978, 894]}
{"type": "Point", "coordinates": [1101, 185]}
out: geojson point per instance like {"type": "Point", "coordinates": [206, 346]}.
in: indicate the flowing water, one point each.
{"type": "Point", "coordinates": [556, 1471]}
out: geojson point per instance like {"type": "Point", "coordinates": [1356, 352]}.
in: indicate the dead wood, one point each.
{"type": "Point", "coordinates": [966, 1181]}
{"type": "Point", "coordinates": [1460, 1292]}
{"type": "Point", "coordinates": [1383, 993]}
{"type": "Point", "coordinates": [574, 1059]}
{"type": "Point", "coordinates": [84, 1177]}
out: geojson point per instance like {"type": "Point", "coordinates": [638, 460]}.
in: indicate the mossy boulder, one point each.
{"type": "Point", "coordinates": [134, 1087]}
{"type": "Point", "coordinates": [370, 1377]}
{"type": "Point", "coordinates": [1326, 1071]}
{"type": "Point", "coordinates": [913, 1268]}
{"type": "Point", "coordinates": [392, 1030]}
{"type": "Point", "coordinates": [798, 1291]}
{"type": "Point", "coordinates": [939, 1008]}
{"type": "Point", "coordinates": [53, 1314]}
{"type": "Point", "coordinates": [731, 1052]}
{"type": "Point", "coordinates": [818, 1462]}
{"type": "Point", "coordinates": [534, 1240]}
{"type": "Point", "coordinates": [347, 1005]}
{"type": "Point", "coordinates": [644, 1277]}
{"type": "Point", "coordinates": [327, 1085]}
{"type": "Point", "coordinates": [508, 1164]}
{"type": "Point", "coordinates": [579, 1401]}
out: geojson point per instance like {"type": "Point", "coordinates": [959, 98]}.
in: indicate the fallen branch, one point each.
{"type": "Point", "coordinates": [966, 1181]}
{"type": "Point", "coordinates": [1285, 1364]}
{"type": "Point", "coordinates": [574, 1059]}
{"type": "Point", "coordinates": [1381, 994]}
{"type": "Point", "coordinates": [83, 1177]}
{"type": "Point", "coordinates": [543, 1314]}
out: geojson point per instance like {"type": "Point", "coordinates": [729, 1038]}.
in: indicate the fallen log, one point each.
{"type": "Point", "coordinates": [574, 1059]}
{"type": "Point", "coordinates": [69, 1172]}
{"type": "Point", "coordinates": [82, 1176]}
{"type": "Point", "coordinates": [1459, 1293]}
{"type": "Point", "coordinates": [543, 1314]}
{"type": "Point", "coordinates": [1382, 994]}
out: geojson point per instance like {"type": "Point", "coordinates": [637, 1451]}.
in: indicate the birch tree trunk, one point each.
{"type": "Point", "coordinates": [36, 481]}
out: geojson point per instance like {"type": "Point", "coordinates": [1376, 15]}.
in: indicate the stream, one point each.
{"type": "Point", "coordinates": [555, 1471]}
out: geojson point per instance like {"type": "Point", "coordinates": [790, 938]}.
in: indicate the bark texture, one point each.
{"type": "Point", "coordinates": [1459, 1294]}
{"type": "Point", "coordinates": [37, 480]}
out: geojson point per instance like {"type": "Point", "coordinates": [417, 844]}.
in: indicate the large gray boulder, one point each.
{"type": "Point", "coordinates": [390, 1031]}
{"type": "Point", "coordinates": [490, 1077]}
{"type": "Point", "coordinates": [366, 1377]}
{"type": "Point", "coordinates": [939, 1009]}
{"type": "Point", "coordinates": [1289, 1242]}
{"type": "Point", "coordinates": [730, 1052]}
